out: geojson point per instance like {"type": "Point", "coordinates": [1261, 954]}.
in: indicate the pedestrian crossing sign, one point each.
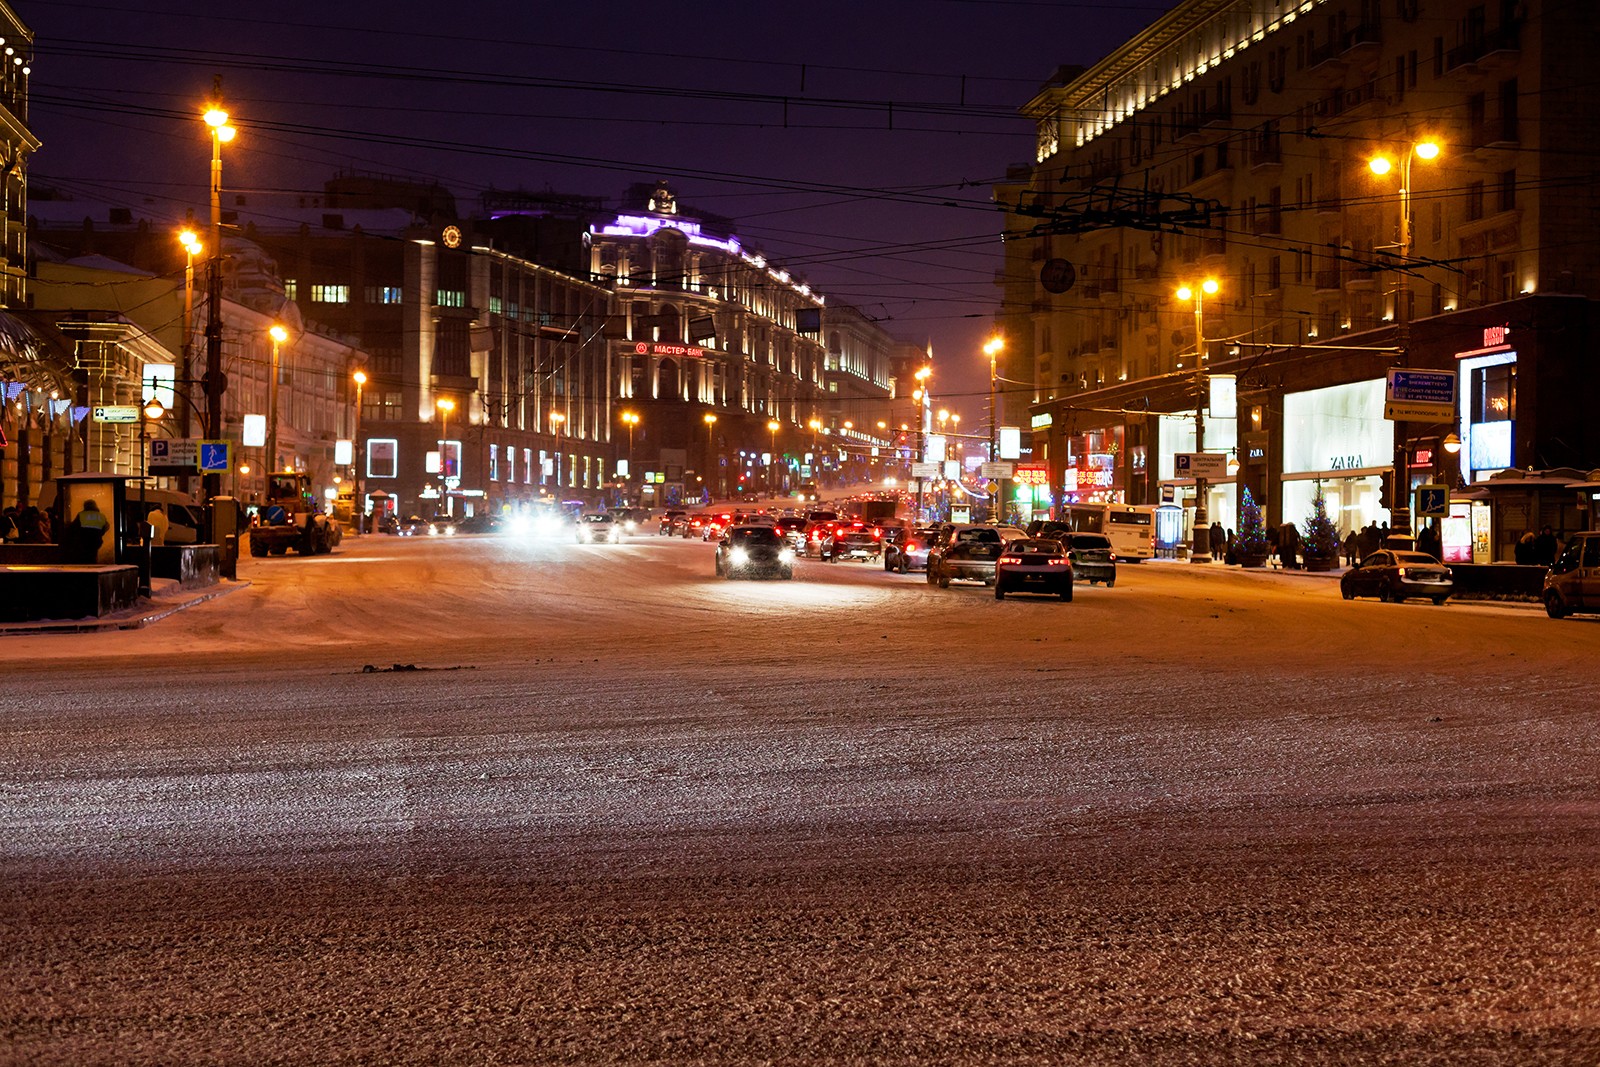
{"type": "Point", "coordinates": [216, 457]}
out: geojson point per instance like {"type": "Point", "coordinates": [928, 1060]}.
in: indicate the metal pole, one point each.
{"type": "Point", "coordinates": [272, 406]}
{"type": "Point", "coordinates": [145, 561]}
{"type": "Point", "coordinates": [360, 456]}
{"type": "Point", "coordinates": [213, 381]}
{"type": "Point", "coordinates": [1400, 502]}
{"type": "Point", "coordinates": [1200, 552]}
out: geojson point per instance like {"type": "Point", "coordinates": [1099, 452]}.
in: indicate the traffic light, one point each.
{"type": "Point", "coordinates": [1386, 491]}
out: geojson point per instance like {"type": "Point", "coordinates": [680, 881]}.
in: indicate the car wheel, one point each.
{"type": "Point", "coordinates": [1066, 592]}
{"type": "Point", "coordinates": [1384, 595]}
{"type": "Point", "coordinates": [904, 567]}
{"type": "Point", "coordinates": [1553, 606]}
{"type": "Point", "coordinates": [944, 580]}
{"type": "Point", "coordinates": [999, 591]}
{"type": "Point", "coordinates": [1110, 582]}
{"type": "Point", "coordinates": [719, 568]}
{"type": "Point", "coordinates": [1346, 593]}
{"type": "Point", "coordinates": [931, 577]}
{"type": "Point", "coordinates": [1439, 601]}
{"type": "Point", "coordinates": [786, 573]}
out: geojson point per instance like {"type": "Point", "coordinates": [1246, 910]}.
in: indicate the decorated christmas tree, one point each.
{"type": "Point", "coordinates": [1322, 537]}
{"type": "Point", "coordinates": [1252, 539]}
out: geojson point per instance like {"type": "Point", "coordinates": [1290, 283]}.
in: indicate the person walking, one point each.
{"type": "Point", "coordinates": [1288, 546]}
{"type": "Point", "coordinates": [1526, 553]}
{"type": "Point", "coordinates": [1428, 541]}
{"type": "Point", "coordinates": [8, 525]}
{"type": "Point", "coordinates": [1544, 547]}
{"type": "Point", "coordinates": [1219, 540]}
{"type": "Point", "coordinates": [1352, 549]}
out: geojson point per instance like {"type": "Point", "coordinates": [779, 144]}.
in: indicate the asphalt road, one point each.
{"type": "Point", "coordinates": [625, 812]}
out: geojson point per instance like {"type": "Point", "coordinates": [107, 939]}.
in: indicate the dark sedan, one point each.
{"type": "Point", "coordinates": [747, 551]}
{"type": "Point", "coordinates": [1036, 565]}
{"type": "Point", "coordinates": [1393, 575]}
{"type": "Point", "coordinates": [970, 560]}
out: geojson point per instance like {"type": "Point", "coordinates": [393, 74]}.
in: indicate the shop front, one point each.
{"type": "Point", "coordinates": [1337, 439]}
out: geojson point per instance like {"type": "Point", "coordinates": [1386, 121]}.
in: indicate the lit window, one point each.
{"type": "Point", "coordinates": [330, 294]}
{"type": "Point", "coordinates": [450, 298]}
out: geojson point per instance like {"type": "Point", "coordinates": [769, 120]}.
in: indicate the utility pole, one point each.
{"type": "Point", "coordinates": [214, 381]}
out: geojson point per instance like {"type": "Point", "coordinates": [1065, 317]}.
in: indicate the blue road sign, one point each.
{"type": "Point", "coordinates": [1424, 386]}
{"type": "Point", "coordinates": [1433, 501]}
{"type": "Point", "coordinates": [216, 457]}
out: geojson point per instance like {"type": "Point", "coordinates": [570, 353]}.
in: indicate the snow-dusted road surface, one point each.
{"type": "Point", "coordinates": [631, 813]}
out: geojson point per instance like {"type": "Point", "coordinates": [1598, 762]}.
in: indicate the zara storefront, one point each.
{"type": "Point", "coordinates": [1337, 437]}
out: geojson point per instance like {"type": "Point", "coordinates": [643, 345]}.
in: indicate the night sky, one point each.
{"type": "Point", "coordinates": [854, 143]}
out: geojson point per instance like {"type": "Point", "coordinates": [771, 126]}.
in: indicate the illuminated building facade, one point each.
{"type": "Point", "coordinates": [1233, 141]}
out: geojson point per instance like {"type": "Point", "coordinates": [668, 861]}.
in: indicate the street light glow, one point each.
{"type": "Point", "coordinates": [278, 333]}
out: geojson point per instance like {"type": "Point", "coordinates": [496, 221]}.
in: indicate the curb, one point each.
{"type": "Point", "coordinates": [135, 619]}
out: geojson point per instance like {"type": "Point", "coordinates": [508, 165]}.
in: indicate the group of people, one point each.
{"type": "Point", "coordinates": [25, 526]}
{"type": "Point", "coordinates": [1537, 551]}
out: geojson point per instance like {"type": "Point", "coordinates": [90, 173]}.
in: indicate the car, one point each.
{"type": "Point", "coordinates": [1573, 582]}
{"type": "Point", "coordinates": [1092, 558]}
{"type": "Point", "coordinates": [807, 491]}
{"type": "Point", "coordinates": [693, 524]}
{"type": "Point", "coordinates": [752, 550]}
{"type": "Point", "coordinates": [794, 528]}
{"type": "Point", "coordinates": [1393, 575]}
{"type": "Point", "coordinates": [598, 527]}
{"type": "Point", "coordinates": [969, 556]}
{"type": "Point", "coordinates": [952, 533]}
{"type": "Point", "coordinates": [713, 523]}
{"type": "Point", "coordinates": [481, 523]}
{"type": "Point", "coordinates": [818, 539]}
{"type": "Point", "coordinates": [905, 548]}
{"type": "Point", "coordinates": [1034, 565]}
{"type": "Point", "coordinates": [854, 541]}
{"type": "Point", "coordinates": [668, 523]}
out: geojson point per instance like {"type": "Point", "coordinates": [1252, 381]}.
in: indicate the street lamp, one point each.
{"type": "Point", "coordinates": [631, 419]}
{"type": "Point", "coordinates": [192, 248]}
{"type": "Point", "coordinates": [557, 419]}
{"type": "Point", "coordinates": [221, 133]}
{"type": "Point", "coordinates": [1200, 552]}
{"type": "Point", "coordinates": [152, 410]}
{"type": "Point", "coordinates": [711, 422]}
{"type": "Point", "coordinates": [773, 426]}
{"type": "Point", "coordinates": [920, 395]}
{"type": "Point", "coordinates": [278, 335]}
{"type": "Point", "coordinates": [1400, 507]}
{"type": "Point", "coordinates": [360, 508]}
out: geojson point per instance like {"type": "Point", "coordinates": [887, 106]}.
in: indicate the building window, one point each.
{"type": "Point", "coordinates": [450, 298]}
{"type": "Point", "coordinates": [511, 464]}
{"type": "Point", "coordinates": [291, 288]}
{"type": "Point", "coordinates": [1474, 201]}
{"type": "Point", "coordinates": [527, 466]}
{"type": "Point", "coordinates": [330, 294]}
{"type": "Point", "coordinates": [494, 463]}
{"type": "Point", "coordinates": [1508, 190]}
{"type": "Point", "coordinates": [383, 294]}
{"type": "Point", "coordinates": [382, 457]}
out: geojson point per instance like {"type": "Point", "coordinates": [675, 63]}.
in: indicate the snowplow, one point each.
{"type": "Point", "coordinates": [290, 519]}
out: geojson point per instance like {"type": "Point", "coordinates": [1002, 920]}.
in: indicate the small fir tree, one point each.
{"type": "Point", "coordinates": [1322, 537]}
{"type": "Point", "coordinates": [1252, 531]}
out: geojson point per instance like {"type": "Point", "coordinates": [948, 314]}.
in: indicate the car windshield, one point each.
{"type": "Point", "coordinates": [984, 534]}
{"type": "Point", "coordinates": [1413, 558]}
{"type": "Point", "coordinates": [757, 535]}
{"type": "Point", "coordinates": [597, 518]}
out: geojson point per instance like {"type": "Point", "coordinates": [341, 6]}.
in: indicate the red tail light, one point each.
{"type": "Point", "coordinates": [1059, 562]}
{"type": "Point", "coordinates": [1011, 559]}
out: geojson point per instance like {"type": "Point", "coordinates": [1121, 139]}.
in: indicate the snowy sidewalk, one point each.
{"type": "Point", "coordinates": [166, 598]}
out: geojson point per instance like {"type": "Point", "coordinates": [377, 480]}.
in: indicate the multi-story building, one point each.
{"type": "Point", "coordinates": [1233, 142]}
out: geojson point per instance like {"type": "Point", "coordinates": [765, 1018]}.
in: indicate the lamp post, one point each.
{"type": "Point", "coordinates": [920, 395]}
{"type": "Point", "coordinates": [445, 406]}
{"type": "Point", "coordinates": [992, 349]}
{"type": "Point", "coordinates": [221, 133]}
{"type": "Point", "coordinates": [278, 335]}
{"type": "Point", "coordinates": [1400, 505]}
{"type": "Point", "coordinates": [711, 422]}
{"type": "Point", "coordinates": [152, 409]}
{"type": "Point", "coordinates": [630, 419]}
{"type": "Point", "coordinates": [1200, 550]}
{"type": "Point", "coordinates": [773, 426]}
{"type": "Point", "coordinates": [360, 502]}
{"type": "Point", "coordinates": [192, 248]}
{"type": "Point", "coordinates": [557, 420]}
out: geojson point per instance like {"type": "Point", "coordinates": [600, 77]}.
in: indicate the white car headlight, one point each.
{"type": "Point", "coordinates": [738, 556]}
{"type": "Point", "coordinates": [786, 556]}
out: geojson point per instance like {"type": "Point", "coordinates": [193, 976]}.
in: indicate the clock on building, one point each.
{"type": "Point", "coordinates": [451, 237]}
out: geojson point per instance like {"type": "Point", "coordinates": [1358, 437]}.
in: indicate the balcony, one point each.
{"type": "Point", "coordinates": [1328, 280]}
{"type": "Point", "coordinates": [1485, 53]}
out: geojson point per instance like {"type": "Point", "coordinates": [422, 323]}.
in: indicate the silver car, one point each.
{"type": "Point", "coordinates": [1093, 561]}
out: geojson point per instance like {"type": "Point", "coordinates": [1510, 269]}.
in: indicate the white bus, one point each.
{"type": "Point", "coordinates": [1131, 527]}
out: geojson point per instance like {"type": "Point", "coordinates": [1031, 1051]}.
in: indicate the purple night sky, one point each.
{"type": "Point", "coordinates": [854, 144]}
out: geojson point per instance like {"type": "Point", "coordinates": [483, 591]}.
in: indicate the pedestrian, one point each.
{"type": "Point", "coordinates": [88, 531]}
{"type": "Point", "coordinates": [1219, 540]}
{"type": "Point", "coordinates": [1526, 553]}
{"type": "Point", "coordinates": [157, 520]}
{"type": "Point", "coordinates": [1428, 542]}
{"type": "Point", "coordinates": [32, 526]}
{"type": "Point", "coordinates": [46, 532]}
{"type": "Point", "coordinates": [8, 525]}
{"type": "Point", "coordinates": [1352, 549]}
{"type": "Point", "coordinates": [1272, 543]}
{"type": "Point", "coordinates": [1288, 546]}
{"type": "Point", "coordinates": [1545, 546]}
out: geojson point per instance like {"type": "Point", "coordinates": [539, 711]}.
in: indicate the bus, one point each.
{"type": "Point", "coordinates": [1131, 527]}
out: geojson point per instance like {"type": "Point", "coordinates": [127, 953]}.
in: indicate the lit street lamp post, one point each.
{"type": "Point", "coordinates": [152, 409]}
{"type": "Point", "coordinates": [711, 422]}
{"type": "Point", "coordinates": [920, 394]}
{"type": "Point", "coordinates": [773, 426]}
{"type": "Point", "coordinates": [630, 419]}
{"type": "Point", "coordinates": [278, 335]}
{"type": "Point", "coordinates": [1400, 503]}
{"type": "Point", "coordinates": [1200, 550]}
{"type": "Point", "coordinates": [221, 133]}
{"type": "Point", "coordinates": [557, 419]}
{"type": "Point", "coordinates": [992, 349]}
{"type": "Point", "coordinates": [360, 502]}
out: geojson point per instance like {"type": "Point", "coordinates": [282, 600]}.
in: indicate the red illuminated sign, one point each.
{"type": "Point", "coordinates": [645, 348]}
{"type": "Point", "coordinates": [1031, 474]}
{"type": "Point", "coordinates": [1496, 335]}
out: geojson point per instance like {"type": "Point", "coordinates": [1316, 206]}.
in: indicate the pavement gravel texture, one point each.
{"type": "Point", "coordinates": [626, 812]}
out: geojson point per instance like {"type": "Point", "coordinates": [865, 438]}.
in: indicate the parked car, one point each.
{"type": "Point", "coordinates": [1034, 565]}
{"type": "Point", "coordinates": [1573, 583]}
{"type": "Point", "coordinates": [969, 556]}
{"type": "Point", "coordinates": [1391, 575]}
{"type": "Point", "coordinates": [598, 527]}
{"type": "Point", "coordinates": [1092, 558]}
{"type": "Point", "coordinates": [758, 549]}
